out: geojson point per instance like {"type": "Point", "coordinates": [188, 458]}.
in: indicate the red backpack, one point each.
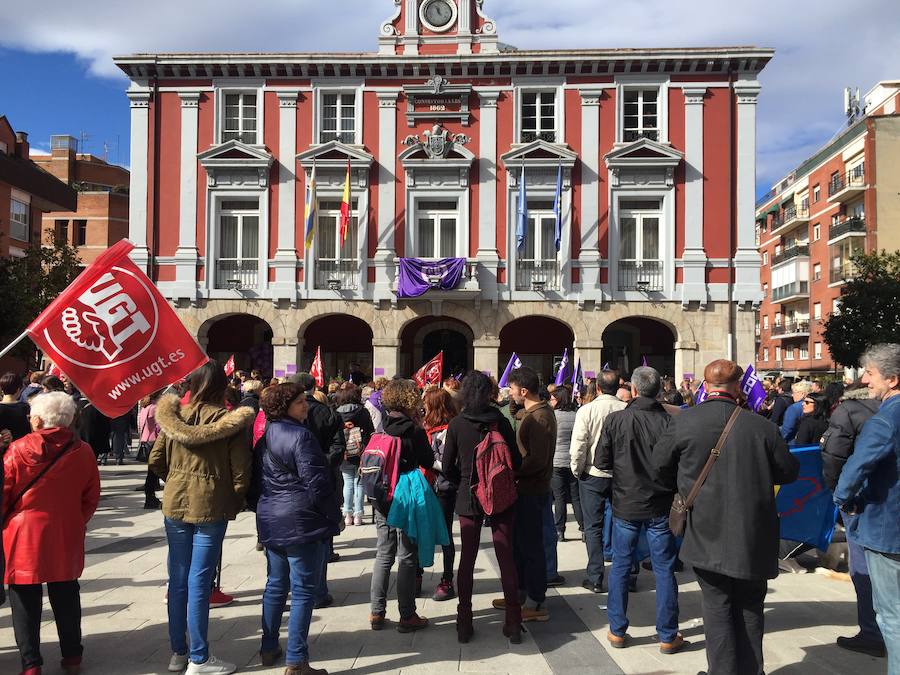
{"type": "Point", "coordinates": [379, 467]}
{"type": "Point", "coordinates": [494, 486]}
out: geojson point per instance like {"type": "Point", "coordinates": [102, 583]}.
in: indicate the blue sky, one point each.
{"type": "Point", "coordinates": [57, 76]}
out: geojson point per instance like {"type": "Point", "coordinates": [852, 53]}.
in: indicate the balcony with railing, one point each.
{"type": "Point", "coordinates": [795, 290]}
{"type": "Point", "coordinates": [537, 275]}
{"type": "Point", "coordinates": [791, 329]}
{"type": "Point", "coordinates": [792, 216]}
{"type": "Point", "coordinates": [531, 135]}
{"type": "Point", "coordinates": [337, 275]}
{"type": "Point", "coordinates": [851, 227]}
{"type": "Point", "coordinates": [797, 251]}
{"type": "Point", "coordinates": [630, 135]}
{"type": "Point", "coordinates": [641, 275]}
{"type": "Point", "coordinates": [237, 273]}
{"type": "Point", "coordinates": [844, 187]}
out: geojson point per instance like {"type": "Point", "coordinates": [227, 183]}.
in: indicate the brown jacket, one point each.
{"type": "Point", "coordinates": [203, 454]}
{"type": "Point", "coordinates": [536, 439]}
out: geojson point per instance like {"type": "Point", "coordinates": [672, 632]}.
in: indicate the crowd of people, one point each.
{"type": "Point", "coordinates": [639, 460]}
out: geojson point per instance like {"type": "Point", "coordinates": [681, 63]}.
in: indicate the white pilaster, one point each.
{"type": "Point", "coordinates": [694, 287]}
{"type": "Point", "coordinates": [589, 255]}
{"type": "Point", "coordinates": [411, 33]}
{"type": "Point", "coordinates": [186, 257]}
{"type": "Point", "coordinates": [285, 261]}
{"type": "Point", "coordinates": [385, 250]}
{"type": "Point", "coordinates": [137, 193]}
{"type": "Point", "coordinates": [747, 260]}
{"type": "Point", "coordinates": [488, 257]}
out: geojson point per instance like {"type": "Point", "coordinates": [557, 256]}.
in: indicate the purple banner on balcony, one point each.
{"type": "Point", "coordinates": [418, 276]}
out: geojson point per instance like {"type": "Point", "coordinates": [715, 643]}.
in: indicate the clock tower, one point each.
{"type": "Point", "coordinates": [438, 27]}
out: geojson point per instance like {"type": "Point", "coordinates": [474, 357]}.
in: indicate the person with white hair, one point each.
{"type": "Point", "coordinates": [799, 391]}
{"type": "Point", "coordinates": [51, 488]}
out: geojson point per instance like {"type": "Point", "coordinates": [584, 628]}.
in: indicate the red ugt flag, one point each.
{"type": "Point", "coordinates": [317, 370]}
{"type": "Point", "coordinates": [114, 335]}
{"type": "Point", "coordinates": [432, 372]}
{"type": "Point", "coordinates": [229, 366]}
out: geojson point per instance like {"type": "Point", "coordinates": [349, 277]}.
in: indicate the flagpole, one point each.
{"type": "Point", "coordinates": [12, 344]}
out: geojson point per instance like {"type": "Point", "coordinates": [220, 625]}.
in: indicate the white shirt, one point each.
{"type": "Point", "coordinates": [586, 434]}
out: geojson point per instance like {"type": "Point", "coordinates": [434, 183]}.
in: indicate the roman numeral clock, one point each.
{"type": "Point", "coordinates": [438, 15]}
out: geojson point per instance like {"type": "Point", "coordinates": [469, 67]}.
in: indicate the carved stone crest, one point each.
{"type": "Point", "coordinates": [437, 84]}
{"type": "Point", "coordinates": [438, 142]}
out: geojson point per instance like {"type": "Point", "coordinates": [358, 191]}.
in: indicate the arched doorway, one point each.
{"type": "Point", "coordinates": [422, 340]}
{"type": "Point", "coordinates": [627, 342]}
{"type": "Point", "coordinates": [246, 336]}
{"type": "Point", "coordinates": [539, 342]}
{"type": "Point", "coordinates": [344, 340]}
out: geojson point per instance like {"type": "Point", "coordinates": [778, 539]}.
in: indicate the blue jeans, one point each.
{"type": "Point", "coordinates": [662, 554]}
{"type": "Point", "coordinates": [885, 575]}
{"type": "Point", "coordinates": [594, 497]}
{"type": "Point", "coordinates": [862, 583]}
{"type": "Point", "coordinates": [353, 494]}
{"type": "Point", "coordinates": [193, 555]}
{"type": "Point", "coordinates": [296, 569]}
{"type": "Point", "coordinates": [550, 540]}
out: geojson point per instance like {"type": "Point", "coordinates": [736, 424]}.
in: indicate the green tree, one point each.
{"type": "Point", "coordinates": [870, 308]}
{"type": "Point", "coordinates": [30, 283]}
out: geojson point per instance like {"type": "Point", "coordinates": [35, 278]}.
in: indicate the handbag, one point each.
{"type": "Point", "coordinates": [681, 506]}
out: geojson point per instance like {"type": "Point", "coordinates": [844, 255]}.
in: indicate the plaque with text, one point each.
{"type": "Point", "coordinates": [437, 100]}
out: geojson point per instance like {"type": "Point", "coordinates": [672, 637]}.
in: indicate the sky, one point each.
{"type": "Point", "coordinates": [57, 75]}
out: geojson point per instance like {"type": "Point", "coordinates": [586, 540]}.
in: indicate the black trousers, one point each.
{"type": "Point", "coordinates": [565, 489]}
{"type": "Point", "coordinates": [448, 506]}
{"type": "Point", "coordinates": [25, 601]}
{"type": "Point", "coordinates": [528, 546]}
{"type": "Point", "coordinates": [733, 623]}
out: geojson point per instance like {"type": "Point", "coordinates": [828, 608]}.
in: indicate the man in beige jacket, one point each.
{"type": "Point", "coordinates": [593, 484]}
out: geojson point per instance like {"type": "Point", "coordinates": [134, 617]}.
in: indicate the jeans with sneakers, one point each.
{"type": "Point", "coordinates": [662, 554]}
{"type": "Point", "coordinates": [862, 582]}
{"type": "Point", "coordinates": [193, 555]}
{"type": "Point", "coordinates": [353, 493]}
{"type": "Point", "coordinates": [296, 569]}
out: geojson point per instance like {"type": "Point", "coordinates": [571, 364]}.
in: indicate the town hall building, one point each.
{"type": "Point", "coordinates": [501, 200]}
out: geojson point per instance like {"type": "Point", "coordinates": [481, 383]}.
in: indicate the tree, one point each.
{"type": "Point", "coordinates": [870, 308]}
{"type": "Point", "coordinates": [30, 283]}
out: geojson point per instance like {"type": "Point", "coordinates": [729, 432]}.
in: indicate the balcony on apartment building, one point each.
{"type": "Point", "coordinates": [796, 290]}
{"type": "Point", "coordinates": [537, 275]}
{"type": "Point", "coordinates": [790, 253]}
{"type": "Point", "coordinates": [845, 187]}
{"type": "Point", "coordinates": [641, 275]}
{"type": "Point", "coordinates": [790, 329]}
{"type": "Point", "coordinates": [842, 272]}
{"type": "Point", "coordinates": [850, 227]}
{"type": "Point", "coordinates": [791, 217]}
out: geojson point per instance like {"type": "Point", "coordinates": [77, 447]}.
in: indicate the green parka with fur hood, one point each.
{"type": "Point", "coordinates": [203, 454]}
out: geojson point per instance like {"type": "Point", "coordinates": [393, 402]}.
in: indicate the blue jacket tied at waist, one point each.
{"type": "Point", "coordinates": [416, 511]}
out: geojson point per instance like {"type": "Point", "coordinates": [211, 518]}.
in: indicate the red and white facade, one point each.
{"type": "Point", "coordinates": [656, 147]}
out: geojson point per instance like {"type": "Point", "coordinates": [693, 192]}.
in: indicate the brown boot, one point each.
{"type": "Point", "coordinates": [377, 621]}
{"type": "Point", "coordinates": [674, 646]}
{"type": "Point", "coordinates": [304, 669]}
{"type": "Point", "coordinates": [412, 624]}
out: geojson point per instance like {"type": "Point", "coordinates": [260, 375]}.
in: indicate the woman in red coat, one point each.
{"type": "Point", "coordinates": [44, 527]}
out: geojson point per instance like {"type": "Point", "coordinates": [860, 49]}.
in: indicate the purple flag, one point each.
{"type": "Point", "coordinates": [511, 366]}
{"type": "Point", "coordinates": [644, 361]}
{"type": "Point", "coordinates": [700, 396]}
{"type": "Point", "coordinates": [577, 376]}
{"type": "Point", "coordinates": [416, 275]}
{"type": "Point", "coordinates": [563, 368]}
{"type": "Point", "coordinates": [605, 367]}
{"type": "Point", "coordinates": [753, 389]}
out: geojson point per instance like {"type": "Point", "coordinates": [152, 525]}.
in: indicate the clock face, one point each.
{"type": "Point", "coordinates": [439, 13]}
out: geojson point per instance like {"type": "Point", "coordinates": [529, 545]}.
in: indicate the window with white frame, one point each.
{"type": "Point", "coordinates": [766, 322]}
{"type": "Point", "coordinates": [777, 318]}
{"type": "Point", "coordinates": [20, 220]}
{"type": "Point", "coordinates": [817, 310]}
{"type": "Point", "coordinates": [538, 116]}
{"type": "Point", "coordinates": [237, 264]}
{"type": "Point", "coordinates": [817, 193]}
{"type": "Point", "coordinates": [537, 261]}
{"type": "Point", "coordinates": [765, 257]}
{"type": "Point", "coordinates": [640, 245]}
{"type": "Point", "coordinates": [836, 306]}
{"type": "Point", "coordinates": [817, 271]}
{"type": "Point", "coordinates": [240, 117]}
{"type": "Point", "coordinates": [804, 352]}
{"type": "Point", "coordinates": [640, 114]}
{"type": "Point", "coordinates": [777, 353]}
{"type": "Point", "coordinates": [436, 223]}
{"type": "Point", "coordinates": [765, 353]}
{"type": "Point", "coordinates": [817, 350]}
{"type": "Point", "coordinates": [817, 232]}
{"type": "Point", "coordinates": [788, 353]}
{"type": "Point", "coordinates": [338, 117]}
{"type": "Point", "coordinates": [336, 261]}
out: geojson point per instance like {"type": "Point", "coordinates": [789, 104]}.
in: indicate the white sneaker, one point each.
{"type": "Point", "coordinates": [178, 662]}
{"type": "Point", "coordinates": [212, 667]}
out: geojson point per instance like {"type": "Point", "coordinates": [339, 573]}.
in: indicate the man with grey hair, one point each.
{"type": "Point", "coordinates": [869, 486]}
{"type": "Point", "coordinates": [639, 500]}
{"type": "Point", "coordinates": [799, 391]}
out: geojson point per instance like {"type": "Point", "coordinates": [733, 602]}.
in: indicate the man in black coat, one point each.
{"type": "Point", "coordinates": [732, 531]}
{"type": "Point", "coordinates": [639, 500]}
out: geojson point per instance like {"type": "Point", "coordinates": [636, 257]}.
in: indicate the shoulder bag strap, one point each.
{"type": "Point", "coordinates": [713, 456]}
{"type": "Point", "coordinates": [15, 500]}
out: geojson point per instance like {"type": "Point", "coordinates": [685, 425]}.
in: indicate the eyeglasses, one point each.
{"type": "Point", "coordinates": [809, 400]}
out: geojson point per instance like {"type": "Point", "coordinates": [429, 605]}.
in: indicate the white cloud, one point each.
{"type": "Point", "coordinates": [821, 47]}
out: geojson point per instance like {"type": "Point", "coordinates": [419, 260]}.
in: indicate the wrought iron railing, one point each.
{"type": "Point", "coordinates": [529, 136]}
{"type": "Point", "coordinates": [629, 135]}
{"type": "Point", "coordinates": [801, 250]}
{"type": "Point", "coordinates": [641, 275]}
{"type": "Point", "coordinates": [540, 274]}
{"type": "Point", "coordinates": [854, 178]}
{"type": "Point", "coordinates": [791, 328]}
{"type": "Point", "coordinates": [237, 273]}
{"type": "Point", "coordinates": [795, 212]}
{"type": "Point", "coordinates": [337, 275]}
{"type": "Point", "coordinates": [848, 226]}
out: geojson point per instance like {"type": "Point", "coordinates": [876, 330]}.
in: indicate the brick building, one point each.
{"type": "Point", "coordinates": [843, 200]}
{"type": "Point", "coordinates": [654, 150]}
{"type": "Point", "coordinates": [101, 218]}
{"type": "Point", "coordinates": [26, 192]}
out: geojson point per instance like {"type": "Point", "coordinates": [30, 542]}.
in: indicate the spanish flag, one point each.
{"type": "Point", "coordinates": [311, 208]}
{"type": "Point", "coordinates": [345, 206]}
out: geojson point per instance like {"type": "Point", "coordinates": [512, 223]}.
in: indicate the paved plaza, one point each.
{"type": "Point", "coordinates": [125, 618]}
